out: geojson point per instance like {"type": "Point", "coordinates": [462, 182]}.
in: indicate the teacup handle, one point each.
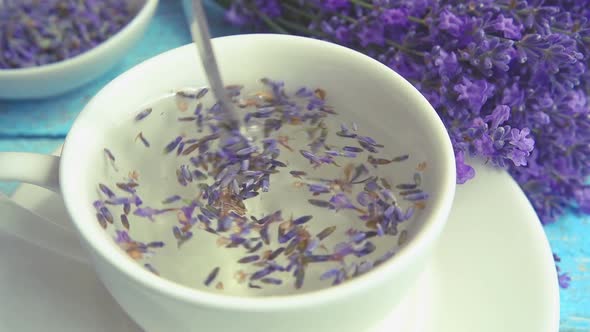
{"type": "Point", "coordinates": [41, 170]}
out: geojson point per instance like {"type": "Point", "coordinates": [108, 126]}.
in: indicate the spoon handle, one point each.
{"type": "Point", "coordinates": [202, 37]}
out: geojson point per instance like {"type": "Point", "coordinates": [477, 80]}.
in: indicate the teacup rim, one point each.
{"type": "Point", "coordinates": [109, 252]}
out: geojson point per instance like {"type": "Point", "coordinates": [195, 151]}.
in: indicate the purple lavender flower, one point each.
{"type": "Point", "coordinates": [318, 189]}
{"type": "Point", "coordinates": [475, 93]}
{"type": "Point", "coordinates": [237, 14]}
{"type": "Point", "coordinates": [499, 115]}
{"type": "Point", "coordinates": [509, 83]}
{"type": "Point", "coordinates": [564, 280]}
{"type": "Point", "coordinates": [464, 171]}
{"type": "Point", "coordinates": [271, 8]}
{"type": "Point", "coordinates": [341, 201]}
{"type": "Point", "coordinates": [363, 198]}
{"type": "Point", "coordinates": [343, 35]}
{"type": "Point", "coordinates": [122, 237]}
{"type": "Point", "coordinates": [394, 17]}
{"type": "Point", "coordinates": [582, 196]}
{"type": "Point", "coordinates": [450, 23]}
{"type": "Point", "coordinates": [146, 212]}
{"type": "Point", "coordinates": [521, 139]}
{"type": "Point", "coordinates": [507, 27]}
{"type": "Point", "coordinates": [334, 5]}
{"type": "Point", "coordinates": [313, 159]}
{"type": "Point", "coordinates": [369, 34]}
{"type": "Point", "coordinates": [39, 33]}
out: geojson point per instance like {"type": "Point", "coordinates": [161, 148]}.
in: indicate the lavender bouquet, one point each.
{"type": "Point", "coordinates": [508, 77]}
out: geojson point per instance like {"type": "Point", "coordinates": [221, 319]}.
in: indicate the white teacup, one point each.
{"type": "Point", "coordinates": [369, 91]}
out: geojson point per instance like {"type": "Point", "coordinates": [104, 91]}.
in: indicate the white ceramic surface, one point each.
{"type": "Point", "coordinates": [57, 78]}
{"type": "Point", "coordinates": [360, 89]}
{"type": "Point", "coordinates": [492, 271]}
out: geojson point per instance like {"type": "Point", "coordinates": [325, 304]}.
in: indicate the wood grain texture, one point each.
{"type": "Point", "coordinates": [570, 239]}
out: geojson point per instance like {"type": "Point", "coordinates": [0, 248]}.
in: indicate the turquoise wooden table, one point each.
{"type": "Point", "coordinates": [41, 125]}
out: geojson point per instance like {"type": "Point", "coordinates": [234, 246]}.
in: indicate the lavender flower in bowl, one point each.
{"type": "Point", "coordinates": [52, 47]}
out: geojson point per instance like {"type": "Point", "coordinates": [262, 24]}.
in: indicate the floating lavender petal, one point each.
{"type": "Point", "coordinates": [320, 203]}
{"type": "Point", "coordinates": [401, 158]}
{"type": "Point", "coordinates": [352, 149]}
{"type": "Point", "coordinates": [106, 190]}
{"type": "Point", "coordinates": [125, 222]}
{"type": "Point", "coordinates": [109, 154]}
{"type": "Point", "coordinates": [143, 114]}
{"type": "Point", "coordinates": [143, 140]}
{"type": "Point", "coordinates": [416, 197]}
{"type": "Point", "coordinates": [302, 220]}
{"type": "Point", "coordinates": [299, 277]}
{"type": "Point", "coordinates": [172, 199]}
{"type": "Point", "coordinates": [341, 201]}
{"type": "Point", "coordinates": [248, 259]}
{"type": "Point", "coordinates": [212, 275]}
{"type": "Point", "coordinates": [326, 232]}
{"type": "Point", "coordinates": [172, 145]}
{"type": "Point", "coordinates": [276, 253]}
{"type": "Point", "coordinates": [271, 281]}
{"type": "Point", "coordinates": [262, 273]}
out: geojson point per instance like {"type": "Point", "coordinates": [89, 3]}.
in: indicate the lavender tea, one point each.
{"type": "Point", "coordinates": [300, 200]}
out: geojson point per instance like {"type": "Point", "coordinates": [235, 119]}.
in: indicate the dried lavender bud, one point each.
{"type": "Point", "coordinates": [212, 275]}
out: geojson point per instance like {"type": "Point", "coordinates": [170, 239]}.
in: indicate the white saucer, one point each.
{"type": "Point", "coordinates": [493, 272]}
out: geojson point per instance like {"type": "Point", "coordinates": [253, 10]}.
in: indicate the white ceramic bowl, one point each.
{"type": "Point", "coordinates": [56, 78]}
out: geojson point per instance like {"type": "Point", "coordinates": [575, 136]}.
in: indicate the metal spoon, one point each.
{"type": "Point", "coordinates": [202, 38]}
